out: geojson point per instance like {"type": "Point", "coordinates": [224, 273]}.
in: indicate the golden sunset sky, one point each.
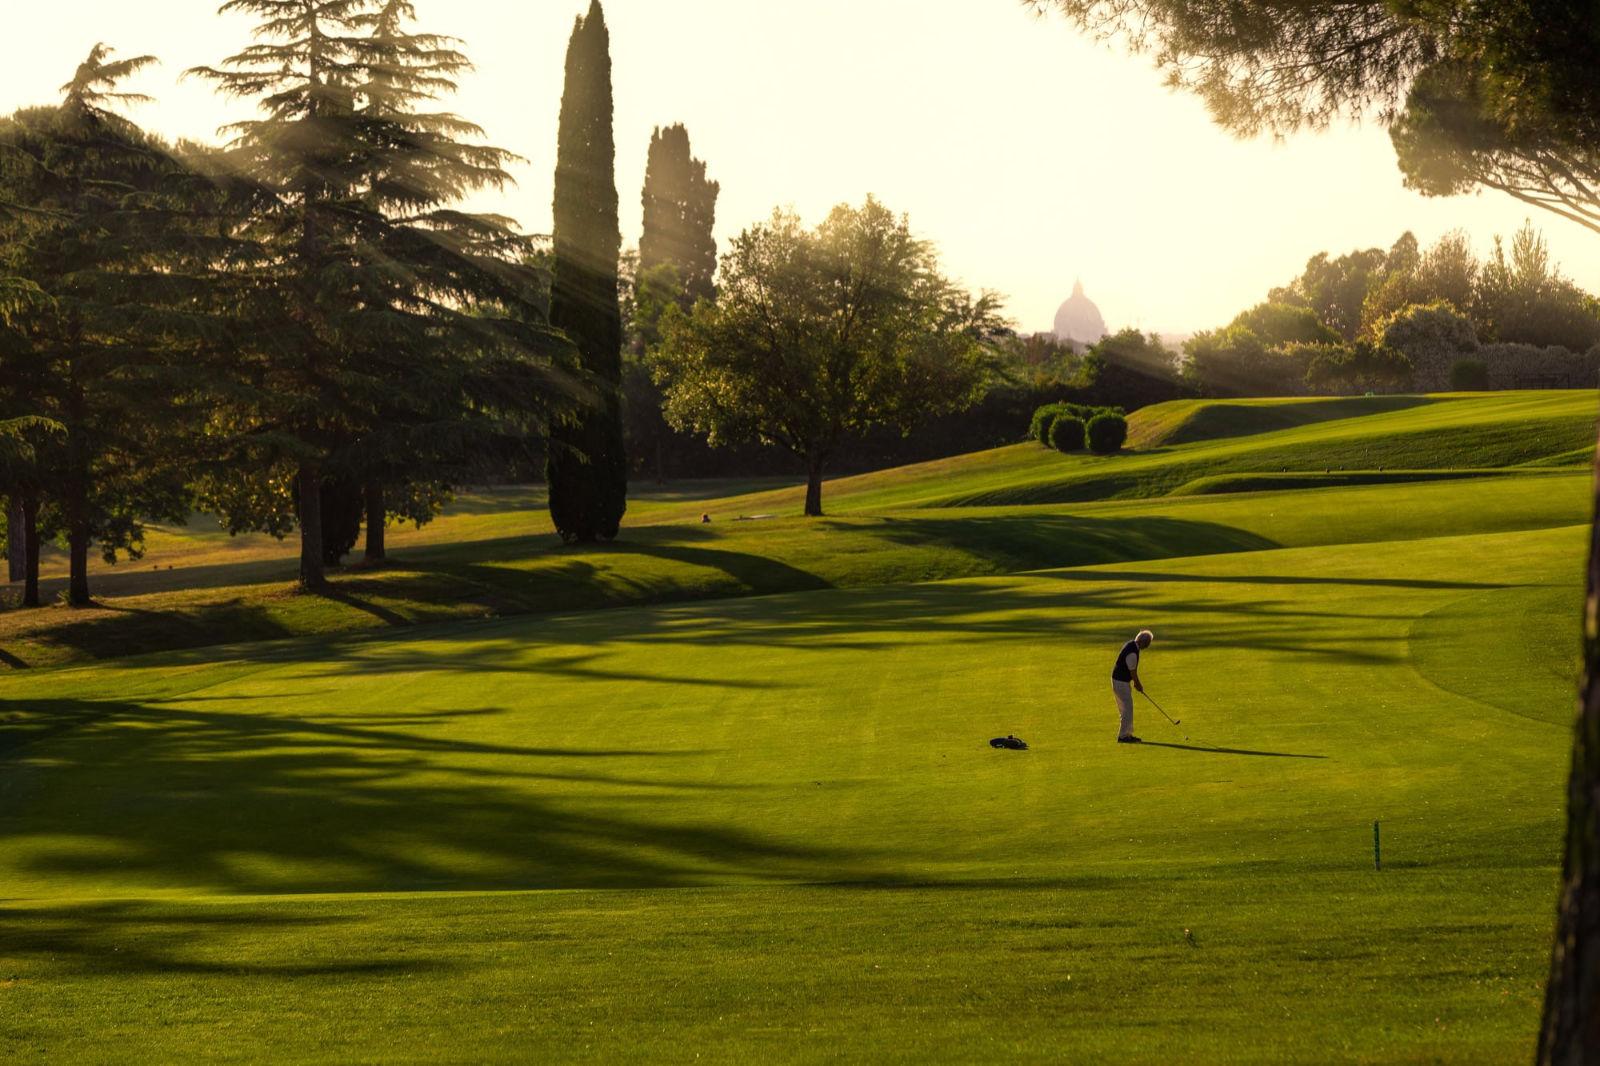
{"type": "Point", "coordinates": [1030, 155]}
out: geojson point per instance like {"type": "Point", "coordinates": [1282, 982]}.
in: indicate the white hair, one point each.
{"type": "Point", "coordinates": [1144, 638]}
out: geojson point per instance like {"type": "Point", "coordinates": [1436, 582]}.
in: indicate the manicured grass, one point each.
{"type": "Point", "coordinates": [1451, 431]}
{"type": "Point", "coordinates": [729, 826]}
{"type": "Point", "coordinates": [1187, 421]}
{"type": "Point", "coordinates": [772, 826]}
{"type": "Point", "coordinates": [493, 553]}
{"type": "Point", "coordinates": [686, 561]}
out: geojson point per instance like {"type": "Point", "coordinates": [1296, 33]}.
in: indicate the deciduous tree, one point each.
{"type": "Point", "coordinates": [818, 333]}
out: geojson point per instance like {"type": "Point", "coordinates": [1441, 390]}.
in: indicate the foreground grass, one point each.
{"type": "Point", "coordinates": [1284, 965]}
{"type": "Point", "coordinates": [775, 825]}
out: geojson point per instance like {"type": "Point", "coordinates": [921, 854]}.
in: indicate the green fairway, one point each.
{"type": "Point", "coordinates": [826, 740]}
{"type": "Point", "coordinates": [749, 809]}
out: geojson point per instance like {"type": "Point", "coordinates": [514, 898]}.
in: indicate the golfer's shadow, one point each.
{"type": "Point", "coordinates": [1231, 751]}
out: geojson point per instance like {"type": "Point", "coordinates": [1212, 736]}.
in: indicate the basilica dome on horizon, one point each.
{"type": "Point", "coordinates": [1078, 319]}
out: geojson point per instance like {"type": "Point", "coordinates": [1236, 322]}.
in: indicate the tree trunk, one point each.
{"type": "Point", "coordinates": [377, 516]}
{"type": "Point", "coordinates": [1570, 1030]}
{"type": "Point", "coordinates": [814, 488]}
{"type": "Point", "coordinates": [78, 548]}
{"type": "Point", "coordinates": [16, 550]}
{"type": "Point", "coordinates": [313, 578]}
{"type": "Point", "coordinates": [30, 549]}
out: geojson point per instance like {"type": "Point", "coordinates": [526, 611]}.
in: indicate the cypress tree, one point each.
{"type": "Point", "coordinates": [680, 209]}
{"type": "Point", "coordinates": [677, 262]}
{"type": "Point", "coordinates": [587, 465]}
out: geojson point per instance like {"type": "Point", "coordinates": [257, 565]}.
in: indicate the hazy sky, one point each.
{"type": "Point", "coordinates": [1031, 156]}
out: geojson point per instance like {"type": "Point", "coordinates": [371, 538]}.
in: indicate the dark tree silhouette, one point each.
{"type": "Point", "coordinates": [680, 210]}
{"type": "Point", "coordinates": [587, 466]}
{"type": "Point", "coordinates": [105, 350]}
{"type": "Point", "coordinates": [381, 331]}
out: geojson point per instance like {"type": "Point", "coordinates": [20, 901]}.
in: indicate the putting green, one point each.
{"type": "Point", "coordinates": [777, 825]}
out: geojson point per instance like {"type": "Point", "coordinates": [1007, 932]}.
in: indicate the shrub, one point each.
{"type": "Point", "coordinates": [1106, 433]}
{"type": "Point", "coordinates": [1039, 427]}
{"type": "Point", "coordinates": [1362, 367]}
{"type": "Point", "coordinates": [1433, 337]}
{"type": "Point", "coordinates": [1067, 434]}
{"type": "Point", "coordinates": [1469, 375]}
{"type": "Point", "coordinates": [1522, 366]}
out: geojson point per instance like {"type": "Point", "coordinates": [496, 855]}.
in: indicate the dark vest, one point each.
{"type": "Point", "coordinates": [1120, 671]}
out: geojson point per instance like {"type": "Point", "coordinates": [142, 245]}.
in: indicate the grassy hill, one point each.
{"type": "Point", "coordinates": [1006, 510]}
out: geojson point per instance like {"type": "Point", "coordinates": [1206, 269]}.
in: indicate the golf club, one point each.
{"type": "Point", "coordinates": [1157, 706]}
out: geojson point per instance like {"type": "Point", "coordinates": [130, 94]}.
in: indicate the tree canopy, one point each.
{"type": "Point", "coordinates": [1500, 95]}
{"type": "Point", "coordinates": [816, 333]}
{"type": "Point", "coordinates": [103, 342]}
{"type": "Point", "coordinates": [381, 331]}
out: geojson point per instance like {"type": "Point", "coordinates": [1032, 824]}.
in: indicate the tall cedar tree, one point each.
{"type": "Point", "coordinates": [680, 208]}
{"type": "Point", "coordinates": [381, 333]}
{"type": "Point", "coordinates": [104, 352]}
{"type": "Point", "coordinates": [587, 466]}
{"type": "Point", "coordinates": [476, 299]}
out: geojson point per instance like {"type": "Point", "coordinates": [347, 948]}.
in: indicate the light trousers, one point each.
{"type": "Point", "coordinates": [1124, 693]}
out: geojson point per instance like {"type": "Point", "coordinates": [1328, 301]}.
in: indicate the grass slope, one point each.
{"type": "Point", "coordinates": [1187, 421]}
{"type": "Point", "coordinates": [1004, 510]}
{"type": "Point", "coordinates": [776, 828]}
{"type": "Point", "coordinates": [684, 561]}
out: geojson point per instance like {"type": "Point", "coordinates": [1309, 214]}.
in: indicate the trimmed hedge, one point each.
{"type": "Point", "coordinates": [1068, 434]}
{"type": "Point", "coordinates": [1107, 432]}
{"type": "Point", "coordinates": [1045, 417]}
{"type": "Point", "coordinates": [1039, 425]}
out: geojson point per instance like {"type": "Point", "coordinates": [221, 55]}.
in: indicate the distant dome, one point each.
{"type": "Point", "coordinates": [1079, 319]}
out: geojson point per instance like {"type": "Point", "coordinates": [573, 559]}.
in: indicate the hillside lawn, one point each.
{"type": "Point", "coordinates": [754, 813]}
{"type": "Point", "coordinates": [774, 825]}
{"type": "Point", "coordinates": [1001, 511]}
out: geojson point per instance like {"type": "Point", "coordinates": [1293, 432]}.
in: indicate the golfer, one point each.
{"type": "Point", "coordinates": [1124, 679]}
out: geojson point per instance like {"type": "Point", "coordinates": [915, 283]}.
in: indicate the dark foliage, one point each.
{"type": "Point", "coordinates": [1107, 432]}
{"type": "Point", "coordinates": [1469, 375]}
{"type": "Point", "coordinates": [1068, 433]}
{"type": "Point", "coordinates": [680, 207]}
{"type": "Point", "coordinates": [586, 464]}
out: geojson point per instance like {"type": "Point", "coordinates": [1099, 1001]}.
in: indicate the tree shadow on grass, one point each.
{"type": "Point", "coordinates": [130, 938]}
{"type": "Point", "coordinates": [1209, 749]}
{"type": "Point", "coordinates": [118, 629]}
{"type": "Point", "coordinates": [1037, 541]}
{"type": "Point", "coordinates": [255, 801]}
{"type": "Point", "coordinates": [1164, 577]}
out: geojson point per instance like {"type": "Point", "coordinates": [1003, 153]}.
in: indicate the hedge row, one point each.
{"type": "Point", "coordinates": [1070, 427]}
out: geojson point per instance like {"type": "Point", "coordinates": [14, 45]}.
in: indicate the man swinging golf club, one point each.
{"type": "Point", "coordinates": [1124, 679]}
